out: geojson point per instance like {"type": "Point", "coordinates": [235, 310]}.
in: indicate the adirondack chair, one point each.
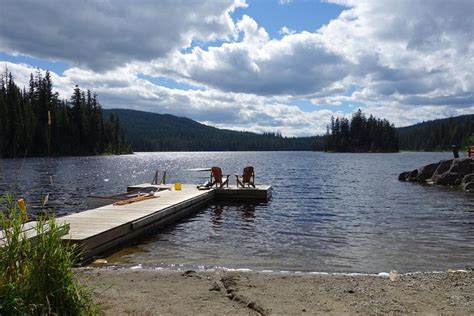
{"type": "Point", "coordinates": [248, 178]}
{"type": "Point", "coordinates": [218, 179]}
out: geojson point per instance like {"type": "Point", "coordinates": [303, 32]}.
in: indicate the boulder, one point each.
{"type": "Point", "coordinates": [463, 166]}
{"type": "Point", "coordinates": [468, 187]}
{"type": "Point", "coordinates": [425, 173]}
{"type": "Point", "coordinates": [413, 175]}
{"type": "Point", "coordinates": [443, 167]}
{"type": "Point", "coordinates": [452, 171]}
{"type": "Point", "coordinates": [404, 176]}
{"type": "Point", "coordinates": [468, 178]}
{"type": "Point", "coordinates": [449, 178]}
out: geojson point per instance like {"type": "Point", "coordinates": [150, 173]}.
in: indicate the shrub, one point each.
{"type": "Point", "coordinates": [36, 274]}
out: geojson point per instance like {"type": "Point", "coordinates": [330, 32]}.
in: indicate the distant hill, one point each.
{"type": "Point", "coordinates": [148, 131]}
{"type": "Point", "coordinates": [163, 132]}
{"type": "Point", "coordinates": [438, 134]}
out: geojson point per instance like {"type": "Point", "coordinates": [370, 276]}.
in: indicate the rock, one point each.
{"type": "Point", "coordinates": [448, 178]}
{"type": "Point", "coordinates": [404, 176]}
{"type": "Point", "coordinates": [393, 276]}
{"type": "Point", "coordinates": [468, 178]}
{"type": "Point", "coordinates": [463, 166]}
{"type": "Point", "coordinates": [215, 287]}
{"type": "Point", "coordinates": [443, 167]}
{"type": "Point", "coordinates": [426, 172]}
{"type": "Point", "coordinates": [189, 272]}
{"type": "Point", "coordinates": [468, 187]}
{"type": "Point", "coordinates": [413, 175]}
{"type": "Point", "coordinates": [452, 171]}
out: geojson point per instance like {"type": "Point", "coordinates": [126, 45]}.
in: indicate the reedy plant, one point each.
{"type": "Point", "coordinates": [36, 274]}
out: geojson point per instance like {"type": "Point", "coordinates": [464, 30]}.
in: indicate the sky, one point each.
{"type": "Point", "coordinates": [264, 66]}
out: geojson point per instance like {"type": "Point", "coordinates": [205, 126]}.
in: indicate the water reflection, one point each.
{"type": "Point", "coordinates": [249, 212]}
{"type": "Point", "coordinates": [216, 215]}
{"type": "Point", "coordinates": [219, 211]}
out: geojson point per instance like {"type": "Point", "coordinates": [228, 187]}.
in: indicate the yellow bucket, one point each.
{"type": "Point", "coordinates": [177, 186]}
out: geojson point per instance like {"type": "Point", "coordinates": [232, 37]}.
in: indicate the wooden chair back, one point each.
{"type": "Point", "coordinates": [216, 173]}
{"type": "Point", "coordinates": [248, 174]}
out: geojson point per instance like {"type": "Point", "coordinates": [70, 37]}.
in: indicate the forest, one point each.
{"type": "Point", "coordinates": [34, 122]}
{"type": "Point", "coordinates": [438, 135]}
{"type": "Point", "coordinates": [163, 132]}
{"type": "Point", "coordinates": [361, 134]}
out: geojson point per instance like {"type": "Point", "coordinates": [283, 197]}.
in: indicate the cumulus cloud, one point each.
{"type": "Point", "coordinates": [406, 61]}
{"type": "Point", "coordinates": [297, 64]}
{"type": "Point", "coordinates": [106, 34]}
{"type": "Point", "coordinates": [404, 51]}
{"type": "Point", "coordinates": [408, 50]}
{"type": "Point", "coordinates": [285, 31]}
{"type": "Point", "coordinates": [121, 88]}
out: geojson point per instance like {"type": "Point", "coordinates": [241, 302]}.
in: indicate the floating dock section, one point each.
{"type": "Point", "coordinates": [100, 230]}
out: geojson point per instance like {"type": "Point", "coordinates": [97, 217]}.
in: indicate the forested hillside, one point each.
{"type": "Point", "coordinates": [360, 134]}
{"type": "Point", "coordinates": [162, 132]}
{"type": "Point", "coordinates": [35, 122]}
{"type": "Point", "coordinates": [437, 135]}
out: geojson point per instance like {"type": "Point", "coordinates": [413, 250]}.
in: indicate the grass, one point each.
{"type": "Point", "coordinates": [36, 274]}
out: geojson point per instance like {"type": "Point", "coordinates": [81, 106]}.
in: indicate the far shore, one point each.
{"type": "Point", "coordinates": [150, 292]}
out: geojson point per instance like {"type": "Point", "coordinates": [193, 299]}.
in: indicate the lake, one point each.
{"type": "Point", "coordinates": [329, 212]}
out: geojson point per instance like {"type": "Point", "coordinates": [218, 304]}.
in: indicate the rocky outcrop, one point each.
{"type": "Point", "coordinates": [451, 172]}
{"type": "Point", "coordinates": [425, 173]}
{"type": "Point", "coordinates": [468, 183]}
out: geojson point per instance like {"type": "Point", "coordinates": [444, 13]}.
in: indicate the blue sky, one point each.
{"type": "Point", "coordinates": [262, 66]}
{"type": "Point", "coordinates": [298, 15]}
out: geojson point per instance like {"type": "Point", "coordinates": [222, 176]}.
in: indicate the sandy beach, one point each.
{"type": "Point", "coordinates": [149, 292]}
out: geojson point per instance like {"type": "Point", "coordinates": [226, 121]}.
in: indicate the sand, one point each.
{"type": "Point", "coordinates": [150, 292]}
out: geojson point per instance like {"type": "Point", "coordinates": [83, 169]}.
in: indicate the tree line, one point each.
{"type": "Point", "coordinates": [438, 135]}
{"type": "Point", "coordinates": [163, 132]}
{"type": "Point", "coordinates": [34, 122]}
{"type": "Point", "coordinates": [361, 134]}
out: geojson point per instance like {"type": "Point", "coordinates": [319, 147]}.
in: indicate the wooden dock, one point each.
{"type": "Point", "coordinates": [102, 229]}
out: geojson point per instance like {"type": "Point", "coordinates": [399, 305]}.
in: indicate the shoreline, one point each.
{"type": "Point", "coordinates": [103, 264]}
{"type": "Point", "coordinates": [139, 290]}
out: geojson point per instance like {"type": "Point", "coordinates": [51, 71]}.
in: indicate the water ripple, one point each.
{"type": "Point", "coordinates": [329, 212]}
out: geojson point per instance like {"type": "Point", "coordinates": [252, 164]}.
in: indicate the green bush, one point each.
{"type": "Point", "coordinates": [36, 274]}
{"type": "Point", "coordinates": [470, 140]}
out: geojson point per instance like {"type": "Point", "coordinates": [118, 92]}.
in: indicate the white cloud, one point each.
{"type": "Point", "coordinates": [406, 51]}
{"type": "Point", "coordinates": [410, 61]}
{"type": "Point", "coordinates": [285, 31]}
{"type": "Point", "coordinates": [108, 34]}
{"type": "Point", "coordinates": [121, 88]}
{"type": "Point", "coordinates": [394, 50]}
{"type": "Point", "coordinates": [298, 64]}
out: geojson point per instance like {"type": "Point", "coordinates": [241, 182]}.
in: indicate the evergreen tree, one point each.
{"type": "Point", "coordinates": [36, 123]}
{"type": "Point", "coordinates": [360, 135]}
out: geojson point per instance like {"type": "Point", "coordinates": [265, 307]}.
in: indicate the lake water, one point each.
{"type": "Point", "coordinates": [329, 212]}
